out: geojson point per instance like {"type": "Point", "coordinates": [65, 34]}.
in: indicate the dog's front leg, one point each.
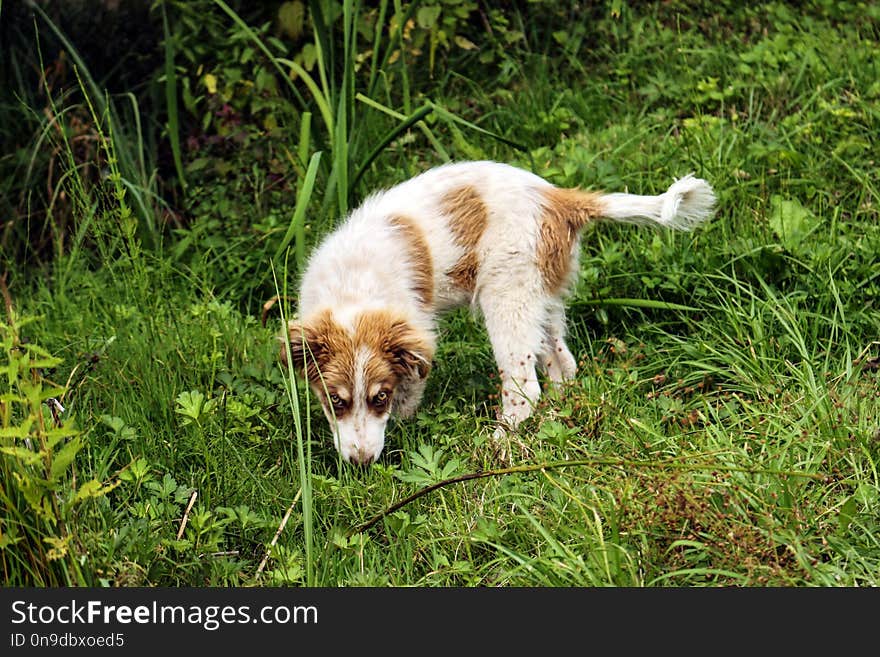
{"type": "Point", "coordinates": [408, 396]}
{"type": "Point", "coordinates": [520, 389]}
{"type": "Point", "coordinates": [519, 393]}
{"type": "Point", "coordinates": [516, 346]}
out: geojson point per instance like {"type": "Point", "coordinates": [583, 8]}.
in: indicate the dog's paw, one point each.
{"type": "Point", "coordinates": [501, 431]}
{"type": "Point", "coordinates": [505, 445]}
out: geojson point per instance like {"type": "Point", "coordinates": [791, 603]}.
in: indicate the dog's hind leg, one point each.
{"type": "Point", "coordinates": [555, 359]}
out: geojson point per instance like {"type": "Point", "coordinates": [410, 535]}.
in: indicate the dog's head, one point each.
{"type": "Point", "coordinates": [355, 368]}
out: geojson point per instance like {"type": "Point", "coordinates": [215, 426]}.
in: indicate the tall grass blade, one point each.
{"type": "Point", "coordinates": [637, 303]}
{"type": "Point", "coordinates": [324, 46]}
{"type": "Point", "coordinates": [404, 79]}
{"type": "Point", "coordinates": [296, 228]}
{"type": "Point", "coordinates": [377, 39]}
{"type": "Point", "coordinates": [173, 124]}
{"type": "Point", "coordinates": [390, 136]}
{"type": "Point", "coordinates": [303, 448]}
{"type": "Point", "coordinates": [344, 111]}
{"type": "Point", "coordinates": [321, 99]}
{"type": "Point", "coordinates": [305, 133]}
{"type": "Point", "coordinates": [429, 134]}
{"type": "Point", "coordinates": [446, 115]}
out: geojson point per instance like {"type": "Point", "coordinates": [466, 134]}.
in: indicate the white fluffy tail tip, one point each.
{"type": "Point", "coordinates": [687, 203]}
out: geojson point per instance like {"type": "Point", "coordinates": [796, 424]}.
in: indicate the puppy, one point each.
{"type": "Point", "coordinates": [482, 233]}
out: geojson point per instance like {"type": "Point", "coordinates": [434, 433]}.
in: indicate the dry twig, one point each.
{"type": "Point", "coordinates": [672, 464]}
{"type": "Point", "coordinates": [280, 529]}
{"type": "Point", "coordinates": [6, 296]}
{"type": "Point", "coordinates": [270, 303]}
{"type": "Point", "coordinates": [185, 519]}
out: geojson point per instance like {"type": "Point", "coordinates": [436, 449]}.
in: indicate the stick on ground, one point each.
{"type": "Point", "coordinates": [280, 529]}
{"type": "Point", "coordinates": [185, 519]}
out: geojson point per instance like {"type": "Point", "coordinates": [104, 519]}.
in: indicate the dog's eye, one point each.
{"type": "Point", "coordinates": [380, 399]}
{"type": "Point", "coordinates": [336, 400]}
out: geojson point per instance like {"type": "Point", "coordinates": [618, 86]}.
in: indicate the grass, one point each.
{"type": "Point", "coordinates": [723, 428]}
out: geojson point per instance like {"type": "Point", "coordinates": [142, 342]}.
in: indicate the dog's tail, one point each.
{"type": "Point", "coordinates": [686, 204]}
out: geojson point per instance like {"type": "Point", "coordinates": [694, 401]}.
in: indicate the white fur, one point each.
{"type": "Point", "coordinates": [360, 435]}
{"type": "Point", "coordinates": [358, 267]}
{"type": "Point", "coordinates": [684, 206]}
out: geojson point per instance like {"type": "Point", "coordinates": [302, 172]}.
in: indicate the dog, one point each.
{"type": "Point", "coordinates": [488, 234]}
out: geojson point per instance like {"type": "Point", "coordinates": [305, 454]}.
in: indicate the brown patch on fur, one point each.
{"type": "Point", "coordinates": [468, 217]}
{"type": "Point", "coordinates": [419, 257]}
{"type": "Point", "coordinates": [467, 213]}
{"type": "Point", "coordinates": [464, 273]}
{"type": "Point", "coordinates": [405, 349]}
{"type": "Point", "coordinates": [565, 212]}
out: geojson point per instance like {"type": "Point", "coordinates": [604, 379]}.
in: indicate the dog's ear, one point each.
{"type": "Point", "coordinates": [410, 350]}
{"type": "Point", "coordinates": [314, 343]}
{"type": "Point", "coordinates": [301, 344]}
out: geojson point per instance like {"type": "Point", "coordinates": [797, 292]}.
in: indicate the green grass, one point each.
{"type": "Point", "coordinates": [723, 429]}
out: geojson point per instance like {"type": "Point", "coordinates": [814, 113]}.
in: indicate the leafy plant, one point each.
{"type": "Point", "coordinates": [38, 486]}
{"type": "Point", "coordinates": [428, 466]}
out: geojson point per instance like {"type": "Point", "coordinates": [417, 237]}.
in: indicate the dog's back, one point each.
{"type": "Point", "coordinates": [461, 214]}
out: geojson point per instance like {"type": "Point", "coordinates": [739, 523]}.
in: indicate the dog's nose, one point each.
{"type": "Point", "coordinates": [362, 456]}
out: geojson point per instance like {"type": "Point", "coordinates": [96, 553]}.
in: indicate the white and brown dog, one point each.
{"type": "Point", "coordinates": [482, 233]}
